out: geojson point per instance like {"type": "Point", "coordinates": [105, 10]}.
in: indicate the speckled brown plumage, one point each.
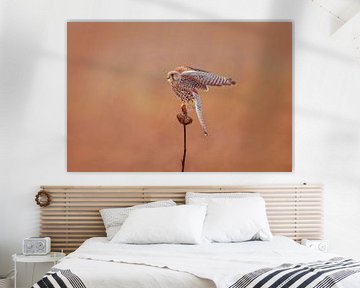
{"type": "Point", "coordinates": [186, 81]}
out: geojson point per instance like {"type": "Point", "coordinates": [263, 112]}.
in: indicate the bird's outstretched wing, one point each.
{"type": "Point", "coordinates": [201, 79]}
{"type": "Point", "coordinates": [191, 82]}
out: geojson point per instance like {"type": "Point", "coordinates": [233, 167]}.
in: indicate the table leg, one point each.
{"type": "Point", "coordinates": [32, 274]}
{"type": "Point", "coordinates": [15, 273]}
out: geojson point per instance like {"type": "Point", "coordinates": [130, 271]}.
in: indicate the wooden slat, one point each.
{"type": "Point", "coordinates": [73, 216]}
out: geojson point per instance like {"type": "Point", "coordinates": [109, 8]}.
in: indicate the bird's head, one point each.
{"type": "Point", "coordinates": [173, 76]}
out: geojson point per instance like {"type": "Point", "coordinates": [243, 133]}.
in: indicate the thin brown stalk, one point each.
{"type": "Point", "coordinates": [184, 152]}
{"type": "Point", "coordinates": [185, 120]}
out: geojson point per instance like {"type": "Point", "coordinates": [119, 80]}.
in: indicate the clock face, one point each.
{"type": "Point", "coordinates": [40, 245]}
{"type": "Point", "coordinates": [36, 246]}
{"type": "Point", "coordinates": [323, 247]}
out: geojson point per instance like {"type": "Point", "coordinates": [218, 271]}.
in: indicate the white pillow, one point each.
{"type": "Point", "coordinates": [236, 220]}
{"type": "Point", "coordinates": [180, 224]}
{"type": "Point", "coordinates": [113, 218]}
{"type": "Point", "coordinates": [203, 198]}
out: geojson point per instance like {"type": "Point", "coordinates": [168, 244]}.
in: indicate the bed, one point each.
{"type": "Point", "coordinates": [293, 210]}
{"type": "Point", "coordinates": [99, 263]}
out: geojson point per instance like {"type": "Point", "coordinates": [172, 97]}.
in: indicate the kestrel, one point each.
{"type": "Point", "coordinates": [186, 81]}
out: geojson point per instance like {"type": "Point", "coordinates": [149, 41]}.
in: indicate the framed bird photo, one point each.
{"type": "Point", "coordinates": [179, 96]}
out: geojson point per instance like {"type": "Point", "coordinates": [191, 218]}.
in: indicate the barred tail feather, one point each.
{"type": "Point", "coordinates": [198, 109]}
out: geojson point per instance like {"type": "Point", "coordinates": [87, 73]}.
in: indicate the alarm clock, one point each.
{"type": "Point", "coordinates": [320, 245]}
{"type": "Point", "coordinates": [36, 246]}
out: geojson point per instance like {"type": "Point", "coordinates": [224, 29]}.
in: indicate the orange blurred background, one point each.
{"type": "Point", "coordinates": [122, 111]}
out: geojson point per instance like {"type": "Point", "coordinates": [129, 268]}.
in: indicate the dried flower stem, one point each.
{"type": "Point", "coordinates": [185, 120]}
{"type": "Point", "coordinates": [184, 153]}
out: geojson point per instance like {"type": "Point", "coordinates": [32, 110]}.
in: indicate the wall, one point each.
{"type": "Point", "coordinates": [33, 109]}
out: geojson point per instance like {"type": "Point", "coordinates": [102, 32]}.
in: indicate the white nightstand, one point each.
{"type": "Point", "coordinates": [320, 245]}
{"type": "Point", "coordinates": [53, 257]}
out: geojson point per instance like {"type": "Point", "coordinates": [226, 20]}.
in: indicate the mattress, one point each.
{"type": "Point", "coordinates": [99, 263]}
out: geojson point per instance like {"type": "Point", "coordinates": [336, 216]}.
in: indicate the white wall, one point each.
{"type": "Point", "coordinates": [33, 109]}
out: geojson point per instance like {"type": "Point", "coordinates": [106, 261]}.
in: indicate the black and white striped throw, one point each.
{"type": "Point", "coordinates": [320, 274]}
{"type": "Point", "coordinates": [59, 278]}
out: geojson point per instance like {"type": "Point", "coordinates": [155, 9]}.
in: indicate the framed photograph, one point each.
{"type": "Point", "coordinates": [179, 96]}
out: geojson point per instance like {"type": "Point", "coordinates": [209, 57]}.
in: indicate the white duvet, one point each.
{"type": "Point", "coordinates": [100, 263]}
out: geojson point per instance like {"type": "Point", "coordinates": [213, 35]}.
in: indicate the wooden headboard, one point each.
{"type": "Point", "coordinates": [73, 215]}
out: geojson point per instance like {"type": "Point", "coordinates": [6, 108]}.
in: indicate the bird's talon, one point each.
{"type": "Point", "coordinates": [183, 108]}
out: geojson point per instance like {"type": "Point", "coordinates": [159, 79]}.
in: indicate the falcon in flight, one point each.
{"type": "Point", "coordinates": [186, 81]}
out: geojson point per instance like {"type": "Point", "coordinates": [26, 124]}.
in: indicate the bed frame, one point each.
{"type": "Point", "coordinates": [73, 216]}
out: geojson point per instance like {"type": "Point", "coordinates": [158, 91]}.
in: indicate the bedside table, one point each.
{"type": "Point", "coordinates": [320, 245]}
{"type": "Point", "coordinates": [53, 257]}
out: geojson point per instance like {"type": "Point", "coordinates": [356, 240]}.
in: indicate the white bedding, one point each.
{"type": "Point", "coordinates": [100, 263]}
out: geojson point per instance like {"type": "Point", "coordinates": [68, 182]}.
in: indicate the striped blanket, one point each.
{"type": "Point", "coordinates": [57, 278]}
{"type": "Point", "coordinates": [320, 274]}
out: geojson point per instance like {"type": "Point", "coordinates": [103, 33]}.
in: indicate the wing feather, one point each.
{"type": "Point", "coordinates": [192, 82]}
{"type": "Point", "coordinates": [203, 78]}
